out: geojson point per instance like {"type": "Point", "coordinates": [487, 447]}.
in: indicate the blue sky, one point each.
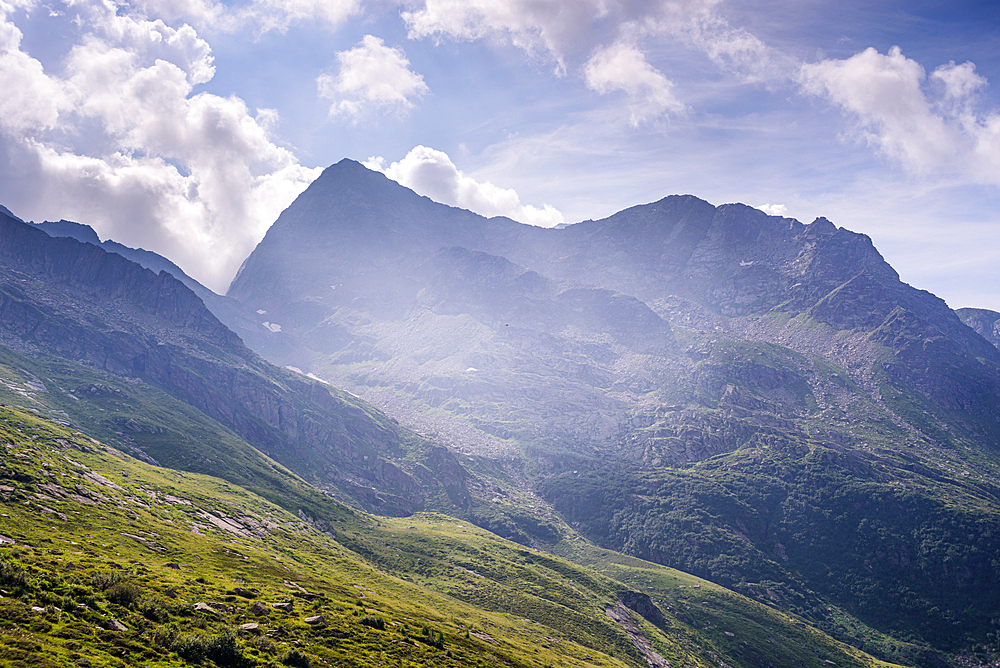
{"type": "Point", "coordinates": [186, 126]}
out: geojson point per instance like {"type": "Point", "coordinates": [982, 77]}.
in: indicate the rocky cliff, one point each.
{"type": "Point", "coordinates": [755, 399]}
{"type": "Point", "coordinates": [986, 323]}
{"type": "Point", "coordinates": [60, 296]}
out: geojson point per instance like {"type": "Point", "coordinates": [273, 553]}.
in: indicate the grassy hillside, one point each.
{"type": "Point", "coordinates": [108, 561]}
{"type": "Point", "coordinates": [148, 423]}
{"type": "Point", "coordinates": [834, 537]}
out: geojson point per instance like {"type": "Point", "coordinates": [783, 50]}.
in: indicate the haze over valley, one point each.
{"type": "Point", "coordinates": [655, 334]}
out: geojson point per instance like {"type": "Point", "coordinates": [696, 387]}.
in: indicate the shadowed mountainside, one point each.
{"type": "Point", "coordinates": [756, 400]}
{"type": "Point", "coordinates": [985, 322]}
{"type": "Point", "coordinates": [72, 300]}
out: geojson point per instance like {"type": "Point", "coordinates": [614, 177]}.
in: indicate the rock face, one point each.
{"type": "Point", "coordinates": [77, 301]}
{"type": "Point", "coordinates": [986, 323]}
{"type": "Point", "coordinates": [229, 311]}
{"type": "Point", "coordinates": [740, 395]}
{"type": "Point", "coordinates": [100, 277]}
{"type": "Point", "coordinates": [382, 287]}
{"type": "Point", "coordinates": [642, 604]}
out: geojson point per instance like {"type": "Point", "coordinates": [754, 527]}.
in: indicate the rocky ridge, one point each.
{"type": "Point", "coordinates": [82, 303]}
{"type": "Point", "coordinates": [684, 382]}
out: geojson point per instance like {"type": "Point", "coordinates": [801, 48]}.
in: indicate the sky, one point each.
{"type": "Point", "coordinates": [186, 126]}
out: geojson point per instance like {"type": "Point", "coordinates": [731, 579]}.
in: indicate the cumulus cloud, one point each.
{"type": "Point", "coordinates": [961, 84]}
{"type": "Point", "coordinates": [558, 28]}
{"type": "Point", "coordinates": [895, 111]}
{"type": "Point", "coordinates": [565, 31]}
{"type": "Point", "coordinates": [371, 76]}
{"type": "Point", "coordinates": [118, 140]}
{"type": "Point", "coordinates": [622, 67]}
{"type": "Point", "coordinates": [432, 173]}
{"type": "Point", "coordinates": [774, 209]}
{"type": "Point", "coordinates": [30, 100]}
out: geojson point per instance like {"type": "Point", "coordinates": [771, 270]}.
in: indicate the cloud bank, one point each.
{"type": "Point", "coordinates": [432, 173]}
{"type": "Point", "coordinates": [120, 141]}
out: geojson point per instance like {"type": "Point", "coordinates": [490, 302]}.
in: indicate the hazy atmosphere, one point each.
{"type": "Point", "coordinates": [186, 127]}
{"type": "Point", "coordinates": [499, 334]}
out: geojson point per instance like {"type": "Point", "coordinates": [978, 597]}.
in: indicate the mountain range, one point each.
{"type": "Point", "coordinates": [743, 397]}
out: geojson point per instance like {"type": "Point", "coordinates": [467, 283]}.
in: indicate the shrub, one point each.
{"type": "Point", "coordinates": [165, 635]}
{"type": "Point", "coordinates": [432, 637]}
{"type": "Point", "coordinates": [13, 575]}
{"type": "Point", "coordinates": [125, 593]}
{"type": "Point", "coordinates": [154, 610]}
{"type": "Point", "coordinates": [263, 645]}
{"type": "Point", "coordinates": [296, 659]}
{"type": "Point", "coordinates": [105, 579]}
{"type": "Point", "coordinates": [225, 650]}
{"type": "Point", "coordinates": [374, 622]}
{"type": "Point", "coordinates": [192, 647]}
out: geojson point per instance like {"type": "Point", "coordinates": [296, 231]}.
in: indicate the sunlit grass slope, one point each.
{"type": "Point", "coordinates": [107, 561]}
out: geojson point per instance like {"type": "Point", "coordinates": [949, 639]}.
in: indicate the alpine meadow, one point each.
{"type": "Point", "coordinates": [542, 410]}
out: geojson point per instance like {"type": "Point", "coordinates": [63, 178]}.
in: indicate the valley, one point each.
{"type": "Point", "coordinates": [684, 435]}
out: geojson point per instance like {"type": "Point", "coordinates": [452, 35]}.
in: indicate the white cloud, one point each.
{"type": "Point", "coordinates": [559, 28]}
{"type": "Point", "coordinates": [734, 50]}
{"type": "Point", "coordinates": [371, 76]}
{"type": "Point", "coordinates": [623, 67]}
{"type": "Point", "coordinates": [120, 141]}
{"type": "Point", "coordinates": [30, 100]}
{"type": "Point", "coordinates": [774, 209]}
{"type": "Point", "coordinates": [960, 81]}
{"type": "Point", "coordinates": [548, 26]}
{"type": "Point", "coordinates": [896, 113]}
{"type": "Point", "coordinates": [432, 173]}
{"type": "Point", "coordinates": [261, 16]}
{"type": "Point", "coordinates": [280, 14]}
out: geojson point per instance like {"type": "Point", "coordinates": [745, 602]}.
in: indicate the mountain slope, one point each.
{"type": "Point", "coordinates": [735, 394]}
{"type": "Point", "coordinates": [97, 310]}
{"type": "Point", "coordinates": [112, 562]}
{"type": "Point", "coordinates": [230, 312]}
{"type": "Point", "coordinates": [985, 322]}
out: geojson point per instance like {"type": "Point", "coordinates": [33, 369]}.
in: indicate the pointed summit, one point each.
{"type": "Point", "coordinates": [820, 226]}
{"type": "Point", "coordinates": [346, 185]}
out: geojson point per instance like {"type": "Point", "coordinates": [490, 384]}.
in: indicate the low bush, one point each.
{"type": "Point", "coordinates": [125, 593]}
{"type": "Point", "coordinates": [103, 580]}
{"type": "Point", "coordinates": [296, 659]}
{"type": "Point", "coordinates": [374, 622]}
{"type": "Point", "coordinates": [13, 575]}
{"type": "Point", "coordinates": [153, 609]}
{"type": "Point", "coordinates": [165, 635]}
{"type": "Point", "coordinates": [225, 650]}
{"type": "Point", "coordinates": [192, 647]}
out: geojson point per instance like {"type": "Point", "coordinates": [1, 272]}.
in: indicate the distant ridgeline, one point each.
{"type": "Point", "coordinates": [752, 400]}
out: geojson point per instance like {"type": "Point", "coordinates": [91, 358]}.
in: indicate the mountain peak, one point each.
{"type": "Point", "coordinates": [5, 211]}
{"type": "Point", "coordinates": [352, 172]}
{"type": "Point", "coordinates": [821, 226]}
{"type": "Point", "coordinates": [67, 228]}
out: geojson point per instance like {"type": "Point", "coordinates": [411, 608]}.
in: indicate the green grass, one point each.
{"type": "Point", "coordinates": [99, 537]}
{"type": "Point", "coordinates": [874, 548]}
